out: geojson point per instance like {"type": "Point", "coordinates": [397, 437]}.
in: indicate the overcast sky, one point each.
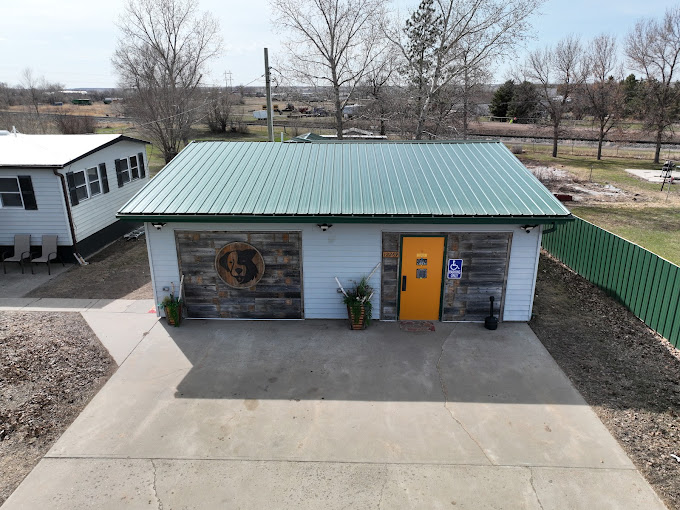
{"type": "Point", "coordinates": [71, 41]}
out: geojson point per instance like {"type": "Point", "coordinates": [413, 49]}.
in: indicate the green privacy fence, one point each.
{"type": "Point", "coordinates": [645, 283]}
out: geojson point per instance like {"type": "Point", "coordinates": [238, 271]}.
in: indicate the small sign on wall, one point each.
{"type": "Point", "coordinates": [454, 269]}
{"type": "Point", "coordinates": [390, 254]}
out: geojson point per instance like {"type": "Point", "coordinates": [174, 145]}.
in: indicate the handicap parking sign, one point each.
{"type": "Point", "coordinates": [454, 269]}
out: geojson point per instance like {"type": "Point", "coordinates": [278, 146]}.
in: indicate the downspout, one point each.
{"type": "Point", "coordinates": [68, 214]}
{"type": "Point", "coordinates": [551, 229]}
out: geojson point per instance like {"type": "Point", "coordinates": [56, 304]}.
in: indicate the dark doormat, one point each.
{"type": "Point", "coordinates": [415, 326]}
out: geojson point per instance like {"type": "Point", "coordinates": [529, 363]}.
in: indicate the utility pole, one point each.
{"type": "Point", "coordinates": [268, 86]}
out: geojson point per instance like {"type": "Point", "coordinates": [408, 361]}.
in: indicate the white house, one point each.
{"type": "Point", "coordinates": [68, 185]}
{"type": "Point", "coordinates": [261, 230]}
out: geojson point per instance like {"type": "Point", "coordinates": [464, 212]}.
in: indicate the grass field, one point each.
{"type": "Point", "coordinates": [654, 228]}
{"type": "Point", "coordinates": [651, 219]}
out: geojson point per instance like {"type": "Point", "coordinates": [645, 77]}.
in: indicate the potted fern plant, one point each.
{"type": "Point", "coordinates": [358, 301]}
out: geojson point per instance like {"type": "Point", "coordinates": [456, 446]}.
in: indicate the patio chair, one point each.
{"type": "Point", "coordinates": [22, 251]}
{"type": "Point", "coordinates": [49, 252]}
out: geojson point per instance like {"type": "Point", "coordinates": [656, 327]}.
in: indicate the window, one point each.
{"type": "Point", "coordinates": [80, 185]}
{"type": "Point", "coordinates": [17, 192]}
{"type": "Point", "coordinates": [10, 193]}
{"type": "Point", "coordinates": [124, 170]}
{"type": "Point", "coordinates": [85, 184]}
{"type": "Point", "coordinates": [134, 168]}
{"type": "Point", "coordinates": [93, 181]}
{"type": "Point", "coordinates": [130, 169]}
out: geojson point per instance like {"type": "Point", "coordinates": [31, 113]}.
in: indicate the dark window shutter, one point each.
{"type": "Point", "coordinates": [72, 188]}
{"type": "Point", "coordinates": [26, 186]}
{"type": "Point", "coordinates": [119, 175]}
{"type": "Point", "coordinates": [103, 177]}
{"type": "Point", "coordinates": [140, 162]}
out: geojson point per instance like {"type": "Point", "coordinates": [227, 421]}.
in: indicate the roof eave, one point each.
{"type": "Point", "coordinates": [411, 219]}
{"type": "Point", "coordinates": [120, 138]}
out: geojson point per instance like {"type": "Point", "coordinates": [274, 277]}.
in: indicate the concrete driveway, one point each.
{"type": "Point", "coordinates": [220, 414]}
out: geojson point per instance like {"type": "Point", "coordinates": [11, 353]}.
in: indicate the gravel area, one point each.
{"type": "Point", "coordinates": [51, 365]}
{"type": "Point", "coordinates": [625, 371]}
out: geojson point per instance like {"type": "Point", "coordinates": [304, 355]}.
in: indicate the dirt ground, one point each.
{"type": "Point", "coordinates": [51, 365]}
{"type": "Point", "coordinates": [120, 271]}
{"type": "Point", "coordinates": [626, 372]}
{"type": "Point", "coordinates": [583, 192]}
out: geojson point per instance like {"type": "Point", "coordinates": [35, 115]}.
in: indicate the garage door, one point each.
{"type": "Point", "coordinates": [241, 275]}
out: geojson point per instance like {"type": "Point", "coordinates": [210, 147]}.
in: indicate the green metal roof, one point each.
{"type": "Point", "coordinates": [308, 137]}
{"type": "Point", "coordinates": [434, 182]}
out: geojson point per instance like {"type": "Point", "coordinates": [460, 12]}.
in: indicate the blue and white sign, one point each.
{"type": "Point", "coordinates": [454, 270]}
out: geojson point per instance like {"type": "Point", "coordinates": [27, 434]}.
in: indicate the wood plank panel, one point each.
{"type": "Point", "coordinates": [277, 295]}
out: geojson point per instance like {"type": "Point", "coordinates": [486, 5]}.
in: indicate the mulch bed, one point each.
{"type": "Point", "coordinates": [51, 365]}
{"type": "Point", "coordinates": [625, 371]}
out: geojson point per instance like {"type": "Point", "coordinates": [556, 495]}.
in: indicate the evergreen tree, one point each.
{"type": "Point", "coordinates": [502, 99]}
{"type": "Point", "coordinates": [632, 95]}
{"type": "Point", "coordinates": [422, 31]}
{"type": "Point", "coordinates": [525, 105]}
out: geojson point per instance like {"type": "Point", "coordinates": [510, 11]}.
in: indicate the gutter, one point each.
{"type": "Point", "coordinates": [69, 215]}
{"type": "Point", "coordinates": [441, 220]}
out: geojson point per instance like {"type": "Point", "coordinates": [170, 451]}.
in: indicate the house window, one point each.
{"type": "Point", "coordinates": [10, 193]}
{"type": "Point", "coordinates": [124, 170]}
{"type": "Point", "coordinates": [93, 181]}
{"type": "Point", "coordinates": [85, 184]}
{"type": "Point", "coordinates": [130, 169]}
{"type": "Point", "coordinates": [134, 167]}
{"type": "Point", "coordinates": [80, 185]}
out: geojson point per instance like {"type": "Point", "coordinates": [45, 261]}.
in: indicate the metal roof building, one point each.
{"type": "Point", "coordinates": [414, 181]}
{"type": "Point", "coordinates": [448, 224]}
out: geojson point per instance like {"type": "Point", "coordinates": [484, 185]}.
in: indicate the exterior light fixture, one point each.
{"type": "Point", "coordinates": [157, 226]}
{"type": "Point", "coordinates": [324, 226]}
{"type": "Point", "coordinates": [528, 228]}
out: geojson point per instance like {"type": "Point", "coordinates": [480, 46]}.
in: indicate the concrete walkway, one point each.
{"type": "Point", "coordinates": [14, 283]}
{"type": "Point", "coordinates": [219, 414]}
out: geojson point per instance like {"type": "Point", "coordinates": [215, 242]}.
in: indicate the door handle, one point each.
{"type": "Point", "coordinates": [403, 283]}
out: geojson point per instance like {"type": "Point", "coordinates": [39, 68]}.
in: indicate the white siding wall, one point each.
{"type": "Point", "coordinates": [99, 211]}
{"type": "Point", "coordinates": [348, 252]}
{"type": "Point", "coordinates": [50, 218]}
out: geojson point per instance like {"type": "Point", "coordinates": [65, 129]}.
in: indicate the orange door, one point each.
{"type": "Point", "coordinates": [422, 260]}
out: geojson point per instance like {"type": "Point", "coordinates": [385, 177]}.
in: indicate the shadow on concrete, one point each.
{"type": "Point", "coordinates": [323, 360]}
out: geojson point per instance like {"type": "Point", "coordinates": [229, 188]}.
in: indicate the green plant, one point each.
{"type": "Point", "coordinates": [173, 308]}
{"type": "Point", "coordinates": [358, 296]}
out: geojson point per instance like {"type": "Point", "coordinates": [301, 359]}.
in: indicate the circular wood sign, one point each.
{"type": "Point", "coordinates": [239, 265]}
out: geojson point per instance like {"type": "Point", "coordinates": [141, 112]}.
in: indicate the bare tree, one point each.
{"type": "Point", "coordinates": [220, 102]}
{"type": "Point", "coordinates": [35, 89]}
{"type": "Point", "coordinates": [653, 49]}
{"type": "Point", "coordinates": [473, 77]}
{"type": "Point", "coordinates": [163, 51]}
{"type": "Point", "coordinates": [603, 91]}
{"type": "Point", "coordinates": [558, 71]}
{"type": "Point", "coordinates": [448, 40]}
{"type": "Point", "coordinates": [331, 41]}
{"type": "Point", "coordinates": [379, 85]}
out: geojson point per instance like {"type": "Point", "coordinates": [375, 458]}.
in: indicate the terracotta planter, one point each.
{"type": "Point", "coordinates": [357, 322]}
{"type": "Point", "coordinates": [170, 319]}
